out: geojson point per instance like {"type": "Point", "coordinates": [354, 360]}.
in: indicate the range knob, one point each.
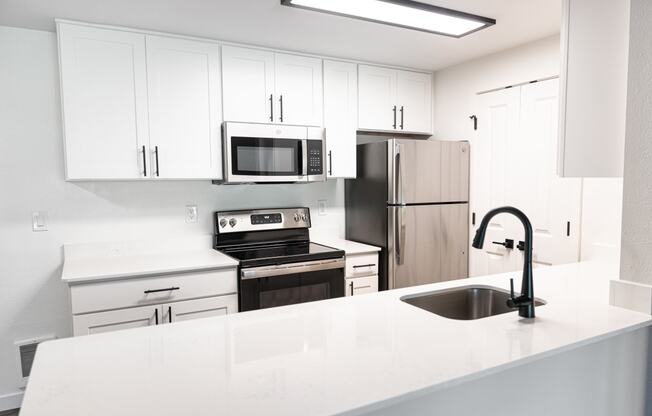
{"type": "Point", "coordinates": [223, 222]}
{"type": "Point", "coordinates": [296, 217]}
{"type": "Point", "coordinates": [304, 218]}
{"type": "Point", "coordinates": [233, 222]}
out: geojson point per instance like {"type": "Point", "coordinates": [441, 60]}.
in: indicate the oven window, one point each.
{"type": "Point", "coordinates": [292, 295]}
{"type": "Point", "coordinates": [258, 156]}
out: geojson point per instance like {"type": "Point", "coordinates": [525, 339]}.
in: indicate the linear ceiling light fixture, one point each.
{"type": "Point", "coordinates": [402, 13]}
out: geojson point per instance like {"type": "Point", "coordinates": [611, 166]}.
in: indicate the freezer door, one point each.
{"type": "Point", "coordinates": [415, 241]}
{"type": "Point", "coordinates": [414, 174]}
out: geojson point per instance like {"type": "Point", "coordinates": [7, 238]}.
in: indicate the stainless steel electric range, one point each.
{"type": "Point", "coordinates": [278, 263]}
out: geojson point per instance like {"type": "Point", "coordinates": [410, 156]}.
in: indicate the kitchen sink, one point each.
{"type": "Point", "coordinates": [465, 303]}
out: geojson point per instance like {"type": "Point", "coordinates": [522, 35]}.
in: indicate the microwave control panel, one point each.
{"type": "Point", "coordinates": [315, 157]}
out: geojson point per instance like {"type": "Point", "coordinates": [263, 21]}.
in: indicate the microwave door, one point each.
{"type": "Point", "coordinates": [264, 159]}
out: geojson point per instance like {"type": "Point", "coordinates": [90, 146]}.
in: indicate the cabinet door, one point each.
{"type": "Point", "coordinates": [95, 323]}
{"type": "Point", "coordinates": [200, 308]}
{"type": "Point", "coordinates": [414, 100]}
{"type": "Point", "coordinates": [104, 96]}
{"type": "Point", "coordinates": [298, 89]}
{"type": "Point", "coordinates": [340, 117]}
{"type": "Point", "coordinates": [361, 285]}
{"type": "Point", "coordinates": [376, 98]}
{"type": "Point", "coordinates": [248, 84]}
{"type": "Point", "coordinates": [184, 108]}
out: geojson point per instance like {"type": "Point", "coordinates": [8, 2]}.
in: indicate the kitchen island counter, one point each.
{"type": "Point", "coordinates": [351, 355]}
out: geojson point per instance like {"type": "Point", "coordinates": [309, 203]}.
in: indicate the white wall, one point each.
{"type": "Point", "coordinates": [33, 302]}
{"type": "Point", "coordinates": [455, 89]}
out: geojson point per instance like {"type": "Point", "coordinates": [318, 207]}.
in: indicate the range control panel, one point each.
{"type": "Point", "coordinates": [261, 219]}
{"type": "Point", "coordinates": [315, 157]}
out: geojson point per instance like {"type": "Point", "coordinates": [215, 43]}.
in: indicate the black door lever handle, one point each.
{"type": "Point", "coordinates": [508, 243]}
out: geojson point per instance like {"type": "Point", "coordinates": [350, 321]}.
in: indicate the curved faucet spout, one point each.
{"type": "Point", "coordinates": [525, 302]}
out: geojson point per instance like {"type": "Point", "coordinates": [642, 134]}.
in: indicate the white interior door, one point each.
{"type": "Point", "coordinates": [104, 92]}
{"type": "Point", "coordinates": [184, 108]}
{"type": "Point", "coordinates": [299, 88]}
{"type": "Point", "coordinates": [247, 84]}
{"type": "Point", "coordinates": [514, 163]}
{"type": "Point", "coordinates": [491, 178]}
{"type": "Point", "coordinates": [376, 98]}
{"type": "Point", "coordinates": [552, 203]}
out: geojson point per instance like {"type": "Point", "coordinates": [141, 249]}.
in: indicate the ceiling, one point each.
{"type": "Point", "coordinates": [267, 23]}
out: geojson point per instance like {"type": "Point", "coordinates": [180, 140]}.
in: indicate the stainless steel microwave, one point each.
{"type": "Point", "coordinates": [272, 153]}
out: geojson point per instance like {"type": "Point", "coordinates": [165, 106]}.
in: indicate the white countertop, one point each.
{"type": "Point", "coordinates": [349, 247]}
{"type": "Point", "coordinates": [104, 261]}
{"type": "Point", "coordinates": [340, 356]}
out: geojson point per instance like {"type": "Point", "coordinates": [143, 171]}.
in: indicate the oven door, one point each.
{"type": "Point", "coordinates": [264, 153]}
{"type": "Point", "coordinates": [270, 286]}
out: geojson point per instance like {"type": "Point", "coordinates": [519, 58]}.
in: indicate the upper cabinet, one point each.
{"type": "Point", "coordinates": [137, 106]}
{"type": "Point", "coordinates": [104, 97]}
{"type": "Point", "coordinates": [593, 88]}
{"type": "Point", "coordinates": [268, 87]}
{"type": "Point", "coordinates": [183, 80]}
{"type": "Point", "coordinates": [340, 117]}
{"type": "Point", "coordinates": [394, 100]}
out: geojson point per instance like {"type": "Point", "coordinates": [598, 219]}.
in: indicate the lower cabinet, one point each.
{"type": "Point", "coordinates": [361, 274]}
{"type": "Point", "coordinates": [199, 308]}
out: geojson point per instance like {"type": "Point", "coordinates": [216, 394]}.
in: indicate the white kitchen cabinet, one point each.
{"type": "Point", "coordinates": [104, 98]}
{"type": "Point", "coordinates": [593, 88]}
{"type": "Point", "coordinates": [199, 308]}
{"type": "Point", "coordinates": [268, 87]}
{"type": "Point", "coordinates": [95, 323]}
{"type": "Point", "coordinates": [248, 85]}
{"type": "Point", "coordinates": [183, 78]}
{"type": "Point", "coordinates": [414, 97]}
{"type": "Point", "coordinates": [340, 117]}
{"type": "Point", "coordinates": [361, 285]}
{"type": "Point", "coordinates": [394, 100]}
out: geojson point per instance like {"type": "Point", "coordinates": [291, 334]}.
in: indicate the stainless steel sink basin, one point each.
{"type": "Point", "coordinates": [464, 303]}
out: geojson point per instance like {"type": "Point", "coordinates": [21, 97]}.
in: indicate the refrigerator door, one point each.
{"type": "Point", "coordinates": [427, 171]}
{"type": "Point", "coordinates": [455, 247]}
{"type": "Point", "coordinates": [415, 241]}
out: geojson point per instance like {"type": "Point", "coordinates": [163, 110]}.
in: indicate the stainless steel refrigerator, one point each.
{"type": "Point", "coordinates": [410, 198]}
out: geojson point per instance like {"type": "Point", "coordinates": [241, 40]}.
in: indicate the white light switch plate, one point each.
{"type": "Point", "coordinates": [321, 207]}
{"type": "Point", "coordinates": [39, 221]}
{"type": "Point", "coordinates": [191, 214]}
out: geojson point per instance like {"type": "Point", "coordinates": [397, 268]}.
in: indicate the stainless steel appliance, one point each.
{"type": "Point", "coordinates": [410, 197]}
{"type": "Point", "coordinates": [260, 153]}
{"type": "Point", "coordinates": [278, 263]}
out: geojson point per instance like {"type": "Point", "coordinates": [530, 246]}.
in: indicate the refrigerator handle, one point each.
{"type": "Point", "coordinates": [399, 175]}
{"type": "Point", "coordinates": [399, 234]}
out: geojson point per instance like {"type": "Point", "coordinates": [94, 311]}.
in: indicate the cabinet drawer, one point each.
{"type": "Point", "coordinates": [361, 285]}
{"type": "Point", "coordinates": [361, 265]}
{"type": "Point", "coordinates": [131, 292]}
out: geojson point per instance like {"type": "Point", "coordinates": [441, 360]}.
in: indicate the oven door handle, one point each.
{"type": "Point", "coordinates": [292, 268]}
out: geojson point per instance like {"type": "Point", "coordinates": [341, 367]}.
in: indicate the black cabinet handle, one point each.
{"type": "Point", "coordinates": [394, 110]}
{"type": "Point", "coordinates": [156, 157]}
{"type": "Point", "coordinates": [508, 243]}
{"type": "Point", "coordinates": [271, 107]}
{"type": "Point", "coordinates": [351, 286]}
{"type": "Point", "coordinates": [170, 314]}
{"type": "Point", "coordinates": [363, 265]}
{"type": "Point", "coordinates": [280, 101]}
{"type": "Point", "coordinates": [330, 163]}
{"type": "Point", "coordinates": [401, 118]}
{"type": "Point", "coordinates": [144, 162]}
{"type": "Point", "coordinates": [156, 316]}
{"type": "Point", "coordinates": [167, 289]}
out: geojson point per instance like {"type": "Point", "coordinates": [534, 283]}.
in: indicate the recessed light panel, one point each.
{"type": "Point", "coordinates": [403, 13]}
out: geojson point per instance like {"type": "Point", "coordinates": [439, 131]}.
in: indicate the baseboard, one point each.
{"type": "Point", "coordinates": [11, 401]}
{"type": "Point", "coordinates": [631, 295]}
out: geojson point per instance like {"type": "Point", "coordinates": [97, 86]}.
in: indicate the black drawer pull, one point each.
{"type": "Point", "coordinates": [357, 266]}
{"type": "Point", "coordinates": [168, 289]}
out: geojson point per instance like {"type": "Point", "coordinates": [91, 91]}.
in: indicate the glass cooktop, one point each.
{"type": "Point", "coordinates": [281, 253]}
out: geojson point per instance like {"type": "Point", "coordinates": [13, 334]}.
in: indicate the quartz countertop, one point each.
{"type": "Point", "coordinates": [340, 356]}
{"type": "Point", "coordinates": [349, 247]}
{"type": "Point", "coordinates": [106, 261]}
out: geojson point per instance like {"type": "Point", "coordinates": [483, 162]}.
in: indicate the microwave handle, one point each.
{"type": "Point", "coordinates": [304, 157]}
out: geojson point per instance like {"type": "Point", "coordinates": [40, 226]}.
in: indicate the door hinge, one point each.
{"type": "Point", "coordinates": [473, 218]}
{"type": "Point", "coordinates": [567, 228]}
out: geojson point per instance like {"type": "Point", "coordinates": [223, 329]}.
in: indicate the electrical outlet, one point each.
{"type": "Point", "coordinates": [39, 221]}
{"type": "Point", "coordinates": [321, 207]}
{"type": "Point", "coordinates": [191, 214]}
